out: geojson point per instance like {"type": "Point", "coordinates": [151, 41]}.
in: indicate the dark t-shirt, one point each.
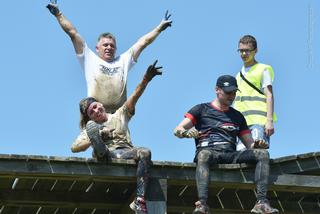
{"type": "Point", "coordinates": [216, 126]}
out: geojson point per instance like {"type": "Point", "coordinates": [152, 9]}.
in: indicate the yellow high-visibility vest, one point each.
{"type": "Point", "coordinates": [248, 101]}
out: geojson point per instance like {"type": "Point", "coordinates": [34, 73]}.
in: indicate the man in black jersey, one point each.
{"type": "Point", "coordinates": [215, 127]}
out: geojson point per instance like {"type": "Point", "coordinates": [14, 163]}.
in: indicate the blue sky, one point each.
{"type": "Point", "coordinates": [41, 80]}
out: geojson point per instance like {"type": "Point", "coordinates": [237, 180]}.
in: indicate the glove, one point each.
{"type": "Point", "coordinates": [53, 8]}
{"type": "Point", "coordinates": [165, 22]}
{"type": "Point", "coordinates": [190, 133]}
{"type": "Point", "coordinates": [260, 144]}
{"type": "Point", "coordinates": [106, 134]}
{"type": "Point", "coordinates": [153, 71]}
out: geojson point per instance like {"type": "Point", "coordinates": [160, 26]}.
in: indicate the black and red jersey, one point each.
{"type": "Point", "coordinates": [217, 126]}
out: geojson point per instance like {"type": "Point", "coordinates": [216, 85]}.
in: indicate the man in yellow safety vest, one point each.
{"type": "Point", "coordinates": [255, 96]}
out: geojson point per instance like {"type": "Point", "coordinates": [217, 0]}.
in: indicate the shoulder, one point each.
{"type": "Point", "coordinates": [123, 111]}
{"type": "Point", "coordinates": [236, 113]}
{"type": "Point", "coordinates": [265, 66]}
{"type": "Point", "coordinates": [87, 52]}
{"type": "Point", "coordinates": [126, 54]}
{"type": "Point", "coordinates": [200, 106]}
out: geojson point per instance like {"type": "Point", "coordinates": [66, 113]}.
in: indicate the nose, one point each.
{"type": "Point", "coordinates": [96, 110]}
{"type": "Point", "coordinates": [244, 53]}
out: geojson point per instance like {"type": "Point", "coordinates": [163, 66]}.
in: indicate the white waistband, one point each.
{"type": "Point", "coordinates": [207, 143]}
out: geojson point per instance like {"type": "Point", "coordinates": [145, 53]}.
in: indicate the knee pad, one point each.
{"type": "Point", "coordinates": [144, 153]}
{"type": "Point", "coordinates": [261, 154]}
{"type": "Point", "coordinates": [203, 156]}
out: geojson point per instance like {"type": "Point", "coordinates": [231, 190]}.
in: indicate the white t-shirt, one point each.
{"type": "Point", "coordinates": [266, 77]}
{"type": "Point", "coordinates": [106, 81]}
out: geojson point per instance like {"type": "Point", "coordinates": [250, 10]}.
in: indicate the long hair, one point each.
{"type": "Point", "coordinates": [84, 105]}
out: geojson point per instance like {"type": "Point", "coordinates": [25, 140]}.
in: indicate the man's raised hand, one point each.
{"type": "Point", "coordinates": [165, 22]}
{"type": "Point", "coordinates": [53, 7]}
{"type": "Point", "coordinates": [152, 71]}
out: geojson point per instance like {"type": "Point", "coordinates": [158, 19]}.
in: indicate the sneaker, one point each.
{"type": "Point", "coordinates": [201, 208]}
{"type": "Point", "coordinates": [100, 149]}
{"type": "Point", "coordinates": [263, 207]}
{"type": "Point", "coordinates": [139, 206]}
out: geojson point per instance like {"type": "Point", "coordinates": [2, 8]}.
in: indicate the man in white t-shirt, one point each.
{"type": "Point", "coordinates": [106, 75]}
{"type": "Point", "coordinates": [256, 104]}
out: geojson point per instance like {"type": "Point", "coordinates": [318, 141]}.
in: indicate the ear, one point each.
{"type": "Point", "coordinates": [218, 90]}
{"type": "Point", "coordinates": [97, 49]}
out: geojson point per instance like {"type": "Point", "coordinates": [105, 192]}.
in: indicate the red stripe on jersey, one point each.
{"type": "Point", "coordinates": [191, 117]}
{"type": "Point", "coordinates": [247, 131]}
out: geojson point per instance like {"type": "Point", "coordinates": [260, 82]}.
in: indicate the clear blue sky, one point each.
{"type": "Point", "coordinates": [41, 80]}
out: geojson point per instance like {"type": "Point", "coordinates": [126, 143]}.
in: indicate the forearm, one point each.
{"type": "Point", "coordinates": [72, 32]}
{"type": "Point", "coordinates": [247, 140]}
{"type": "Point", "coordinates": [66, 25]}
{"type": "Point", "coordinates": [82, 143]}
{"type": "Point", "coordinates": [144, 41]}
{"type": "Point", "coordinates": [133, 99]}
{"type": "Point", "coordinates": [270, 102]}
{"type": "Point", "coordinates": [150, 37]}
{"type": "Point", "coordinates": [181, 131]}
{"type": "Point", "coordinates": [270, 107]}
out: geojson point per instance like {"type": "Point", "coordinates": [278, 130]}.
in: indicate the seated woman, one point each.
{"type": "Point", "coordinates": [109, 135]}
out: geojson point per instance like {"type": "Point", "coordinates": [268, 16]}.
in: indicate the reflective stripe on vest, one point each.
{"type": "Point", "coordinates": [248, 98]}
{"type": "Point", "coordinates": [248, 101]}
{"type": "Point", "coordinates": [252, 112]}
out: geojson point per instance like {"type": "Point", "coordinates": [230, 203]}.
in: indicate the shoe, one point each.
{"type": "Point", "coordinates": [263, 207]}
{"type": "Point", "coordinates": [139, 206]}
{"type": "Point", "coordinates": [100, 149]}
{"type": "Point", "coordinates": [201, 208]}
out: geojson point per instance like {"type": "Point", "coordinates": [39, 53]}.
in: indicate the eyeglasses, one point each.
{"type": "Point", "coordinates": [245, 51]}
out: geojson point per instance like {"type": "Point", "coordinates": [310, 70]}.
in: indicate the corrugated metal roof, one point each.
{"type": "Point", "coordinates": [40, 184]}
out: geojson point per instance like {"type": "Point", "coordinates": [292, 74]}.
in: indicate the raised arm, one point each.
{"type": "Point", "coordinates": [151, 72]}
{"type": "Point", "coordinates": [67, 26]}
{"type": "Point", "coordinates": [147, 39]}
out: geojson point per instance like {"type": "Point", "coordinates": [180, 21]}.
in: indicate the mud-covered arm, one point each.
{"type": "Point", "coordinates": [148, 38]}
{"type": "Point", "coordinates": [247, 140]}
{"type": "Point", "coordinates": [81, 143]}
{"type": "Point", "coordinates": [151, 72]}
{"type": "Point", "coordinates": [186, 129]}
{"type": "Point", "coordinates": [68, 27]}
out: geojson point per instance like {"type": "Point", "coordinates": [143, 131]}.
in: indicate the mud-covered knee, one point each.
{"type": "Point", "coordinates": [262, 154]}
{"type": "Point", "coordinates": [144, 153]}
{"type": "Point", "coordinates": [203, 156]}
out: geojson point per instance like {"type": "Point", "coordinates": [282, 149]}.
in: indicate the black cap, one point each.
{"type": "Point", "coordinates": [227, 83]}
